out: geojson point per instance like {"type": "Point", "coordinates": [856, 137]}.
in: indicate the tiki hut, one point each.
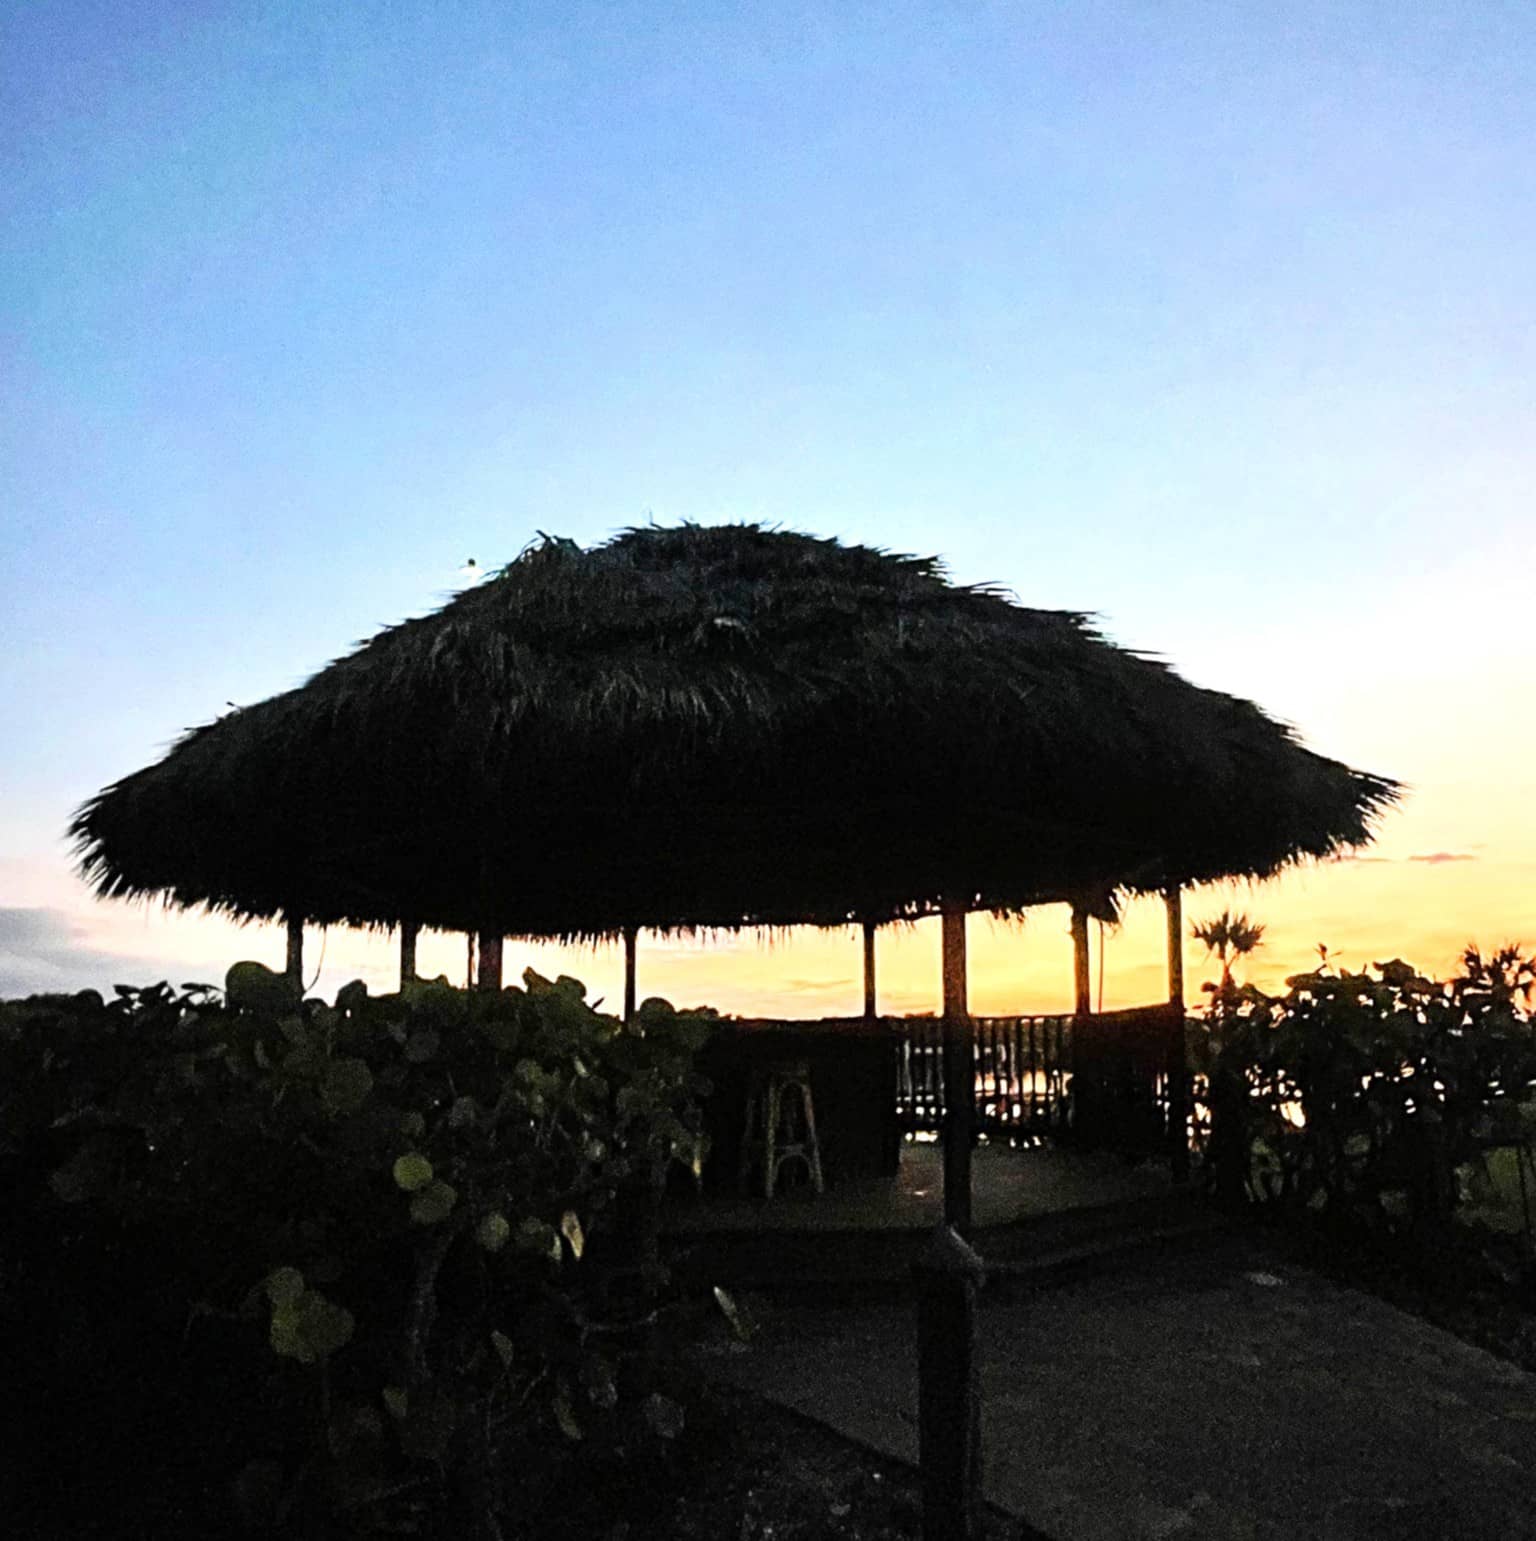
{"type": "Point", "coordinates": [719, 727]}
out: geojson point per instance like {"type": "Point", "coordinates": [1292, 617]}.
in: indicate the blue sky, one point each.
{"type": "Point", "coordinates": [1215, 320]}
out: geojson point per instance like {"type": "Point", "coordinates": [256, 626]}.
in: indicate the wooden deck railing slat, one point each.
{"type": "Point", "coordinates": [1024, 1069]}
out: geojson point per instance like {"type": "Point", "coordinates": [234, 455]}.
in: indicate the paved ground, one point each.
{"type": "Point", "coordinates": [1206, 1394]}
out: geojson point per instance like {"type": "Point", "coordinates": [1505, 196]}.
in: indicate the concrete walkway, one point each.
{"type": "Point", "coordinates": [1208, 1393]}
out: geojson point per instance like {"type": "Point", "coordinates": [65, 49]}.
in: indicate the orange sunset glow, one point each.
{"type": "Point", "coordinates": [1424, 904]}
{"type": "Point", "coordinates": [1454, 863]}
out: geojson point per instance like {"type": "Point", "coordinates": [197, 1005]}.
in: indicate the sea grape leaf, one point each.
{"type": "Point", "coordinates": [284, 1286]}
{"type": "Point", "coordinates": [565, 1416]}
{"type": "Point", "coordinates": [493, 1232]}
{"type": "Point", "coordinates": [412, 1171]}
{"type": "Point", "coordinates": [345, 1085]}
{"type": "Point", "coordinates": [433, 1203]}
{"type": "Point", "coordinates": [350, 996]}
{"type": "Point", "coordinates": [570, 1228]}
{"type": "Point", "coordinates": [538, 1236]}
{"type": "Point", "coordinates": [308, 1327]}
{"type": "Point", "coordinates": [251, 986]}
{"type": "Point", "coordinates": [741, 1326]}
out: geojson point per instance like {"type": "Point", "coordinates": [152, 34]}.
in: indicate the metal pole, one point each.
{"type": "Point", "coordinates": [408, 934]}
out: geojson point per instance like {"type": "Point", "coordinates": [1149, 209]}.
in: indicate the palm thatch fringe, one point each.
{"type": "Point", "coordinates": [711, 727]}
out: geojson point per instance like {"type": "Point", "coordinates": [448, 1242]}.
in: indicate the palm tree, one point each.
{"type": "Point", "coordinates": [1506, 978]}
{"type": "Point", "coordinates": [1228, 1091]}
{"type": "Point", "coordinates": [1230, 937]}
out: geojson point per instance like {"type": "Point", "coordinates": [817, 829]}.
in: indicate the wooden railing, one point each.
{"type": "Point", "coordinates": [1022, 1073]}
{"type": "Point", "coordinates": [1100, 1080]}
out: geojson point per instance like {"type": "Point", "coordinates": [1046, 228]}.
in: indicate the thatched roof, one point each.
{"type": "Point", "coordinates": [718, 726]}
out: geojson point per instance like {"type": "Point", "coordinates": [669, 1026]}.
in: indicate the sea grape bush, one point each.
{"type": "Point", "coordinates": [417, 1210]}
{"type": "Point", "coordinates": [1368, 1094]}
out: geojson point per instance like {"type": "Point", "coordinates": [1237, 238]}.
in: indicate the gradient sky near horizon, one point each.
{"type": "Point", "coordinates": [1217, 321]}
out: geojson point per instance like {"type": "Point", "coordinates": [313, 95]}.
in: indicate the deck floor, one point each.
{"type": "Point", "coordinates": [1006, 1186]}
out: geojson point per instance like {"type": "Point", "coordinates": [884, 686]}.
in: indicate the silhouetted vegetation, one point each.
{"type": "Point", "coordinates": [333, 1265]}
{"type": "Point", "coordinates": [1379, 1099]}
{"type": "Point", "coordinates": [389, 1264]}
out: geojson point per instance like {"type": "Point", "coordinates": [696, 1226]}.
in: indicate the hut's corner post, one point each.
{"type": "Point", "coordinates": [293, 968]}
{"type": "Point", "coordinates": [631, 937]}
{"type": "Point", "coordinates": [869, 971]}
{"type": "Point", "coordinates": [409, 931]}
{"type": "Point", "coordinates": [489, 975]}
{"type": "Point", "coordinates": [949, 1393]}
{"type": "Point", "coordinates": [959, 1074]}
{"type": "Point", "coordinates": [1082, 981]}
{"type": "Point", "coordinates": [1178, 1052]}
{"type": "Point", "coordinates": [1086, 1095]}
{"type": "Point", "coordinates": [640, 1201]}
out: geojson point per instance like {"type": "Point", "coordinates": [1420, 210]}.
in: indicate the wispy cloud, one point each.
{"type": "Point", "coordinates": [816, 986]}
{"type": "Point", "coordinates": [1434, 858]}
{"type": "Point", "coordinates": [44, 950]}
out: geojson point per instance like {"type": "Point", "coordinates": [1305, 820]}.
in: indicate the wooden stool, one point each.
{"type": "Point", "coordinates": [780, 1125]}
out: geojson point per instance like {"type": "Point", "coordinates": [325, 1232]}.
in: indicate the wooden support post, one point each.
{"type": "Point", "coordinates": [1082, 984]}
{"type": "Point", "coordinates": [631, 935]}
{"type": "Point", "coordinates": [949, 1393]}
{"type": "Point", "coordinates": [869, 971]}
{"type": "Point", "coordinates": [1178, 1058]}
{"type": "Point", "coordinates": [294, 967]}
{"type": "Point", "coordinates": [959, 1075]}
{"type": "Point", "coordinates": [1173, 900]}
{"type": "Point", "coordinates": [489, 976]}
{"type": "Point", "coordinates": [408, 933]}
{"type": "Point", "coordinates": [1086, 1098]}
